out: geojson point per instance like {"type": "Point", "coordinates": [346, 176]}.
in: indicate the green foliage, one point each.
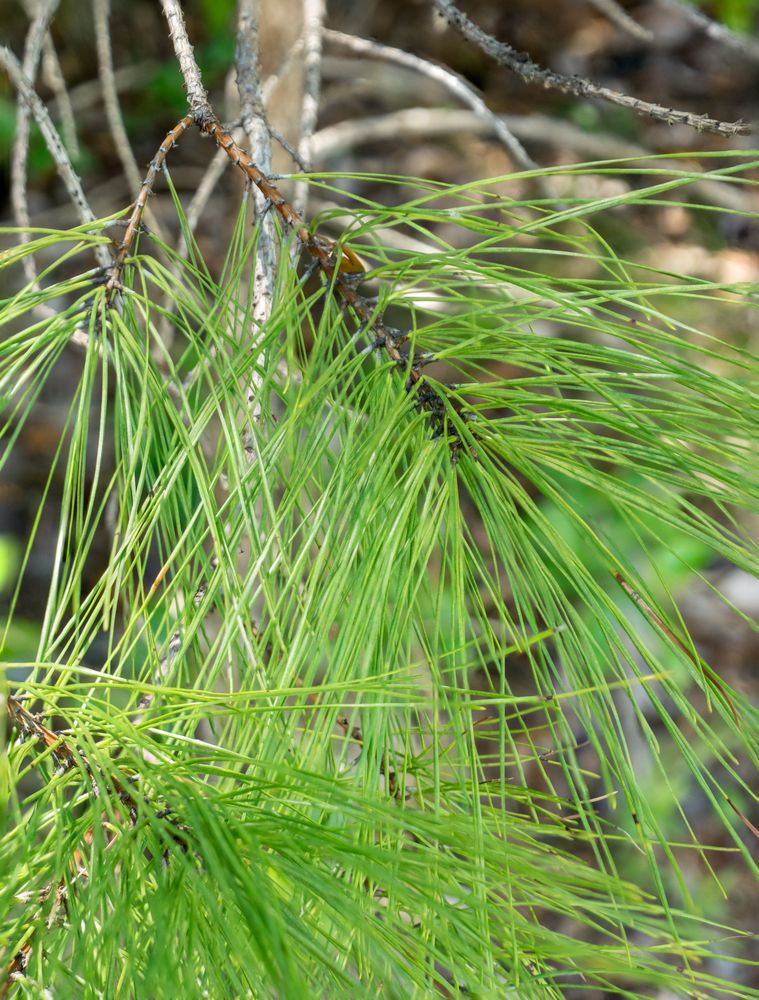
{"type": "Point", "coordinates": [512, 818]}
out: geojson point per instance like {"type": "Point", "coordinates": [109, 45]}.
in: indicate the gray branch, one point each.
{"type": "Point", "coordinates": [622, 20]}
{"type": "Point", "coordinates": [197, 97]}
{"type": "Point", "coordinates": [32, 50]}
{"type": "Point", "coordinates": [53, 141]}
{"type": "Point", "coordinates": [452, 82]}
{"type": "Point", "coordinates": [313, 19]}
{"type": "Point", "coordinates": [523, 66]}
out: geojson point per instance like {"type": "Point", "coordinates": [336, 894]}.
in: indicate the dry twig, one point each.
{"type": "Point", "coordinates": [313, 19]}
{"type": "Point", "coordinates": [453, 83]}
{"type": "Point", "coordinates": [101, 13]}
{"type": "Point", "coordinates": [254, 124]}
{"type": "Point", "coordinates": [32, 50]}
{"type": "Point", "coordinates": [748, 47]}
{"type": "Point", "coordinates": [523, 66]}
{"type": "Point", "coordinates": [52, 74]}
{"type": "Point", "coordinates": [332, 142]}
{"type": "Point", "coordinates": [63, 164]}
{"type": "Point", "coordinates": [619, 17]}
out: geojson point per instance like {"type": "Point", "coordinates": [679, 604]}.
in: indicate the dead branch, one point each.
{"type": "Point", "coordinates": [622, 20]}
{"type": "Point", "coordinates": [451, 81]}
{"type": "Point", "coordinates": [56, 148]}
{"type": "Point", "coordinates": [331, 142]}
{"type": "Point", "coordinates": [254, 123]}
{"type": "Point", "coordinates": [101, 14]}
{"type": "Point", "coordinates": [313, 19]}
{"type": "Point", "coordinates": [32, 51]}
{"type": "Point", "coordinates": [523, 66]}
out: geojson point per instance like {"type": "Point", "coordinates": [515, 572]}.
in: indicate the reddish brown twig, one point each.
{"type": "Point", "coordinates": [16, 968]}
{"type": "Point", "coordinates": [135, 219]}
{"type": "Point", "coordinates": [67, 758]}
{"type": "Point", "coordinates": [340, 265]}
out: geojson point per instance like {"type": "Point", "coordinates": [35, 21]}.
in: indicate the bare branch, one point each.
{"type": "Point", "coordinates": [313, 19]}
{"type": "Point", "coordinates": [101, 13]}
{"type": "Point", "coordinates": [254, 124]}
{"type": "Point", "coordinates": [197, 97]}
{"type": "Point", "coordinates": [619, 17]}
{"type": "Point", "coordinates": [257, 132]}
{"type": "Point", "coordinates": [249, 80]}
{"type": "Point", "coordinates": [522, 65]}
{"type": "Point", "coordinates": [332, 142]}
{"type": "Point", "coordinates": [52, 74]}
{"type": "Point", "coordinates": [32, 49]}
{"type": "Point", "coordinates": [63, 164]}
{"type": "Point", "coordinates": [452, 82]}
{"type": "Point", "coordinates": [84, 96]}
{"type": "Point", "coordinates": [749, 47]}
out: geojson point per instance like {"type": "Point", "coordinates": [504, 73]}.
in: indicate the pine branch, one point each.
{"type": "Point", "coordinates": [338, 263]}
{"type": "Point", "coordinates": [69, 758]}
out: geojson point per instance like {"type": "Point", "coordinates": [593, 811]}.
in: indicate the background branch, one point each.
{"type": "Point", "coordinates": [101, 14]}
{"type": "Point", "coordinates": [313, 20]}
{"type": "Point", "coordinates": [252, 116]}
{"type": "Point", "coordinates": [745, 44]}
{"type": "Point", "coordinates": [619, 17]}
{"type": "Point", "coordinates": [37, 30]}
{"type": "Point", "coordinates": [57, 150]}
{"type": "Point", "coordinates": [452, 82]}
{"type": "Point", "coordinates": [522, 65]}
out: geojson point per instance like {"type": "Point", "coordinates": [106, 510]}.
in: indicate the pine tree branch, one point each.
{"type": "Point", "coordinates": [68, 758]}
{"type": "Point", "coordinates": [116, 267]}
{"type": "Point", "coordinates": [339, 264]}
